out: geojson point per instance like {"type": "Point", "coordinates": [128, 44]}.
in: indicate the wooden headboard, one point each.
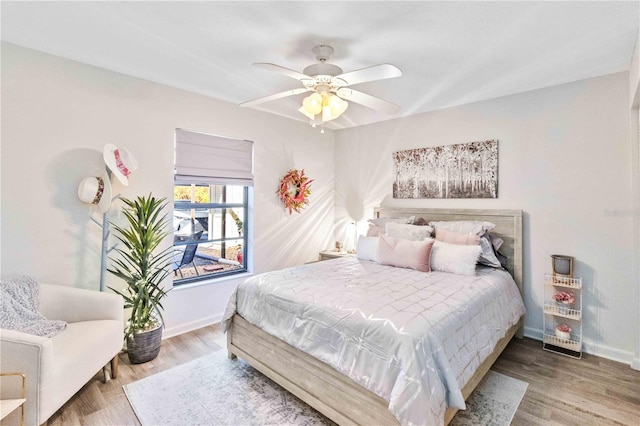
{"type": "Point", "coordinates": [508, 227]}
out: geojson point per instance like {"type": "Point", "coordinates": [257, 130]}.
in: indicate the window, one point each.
{"type": "Point", "coordinates": [213, 176]}
{"type": "Point", "coordinates": [211, 221]}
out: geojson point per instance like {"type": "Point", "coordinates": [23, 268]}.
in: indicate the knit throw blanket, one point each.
{"type": "Point", "coordinates": [20, 308]}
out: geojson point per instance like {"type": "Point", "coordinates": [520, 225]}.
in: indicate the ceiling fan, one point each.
{"type": "Point", "coordinates": [330, 87]}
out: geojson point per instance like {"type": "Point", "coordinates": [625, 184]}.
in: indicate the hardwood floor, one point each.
{"type": "Point", "coordinates": [567, 391]}
{"type": "Point", "coordinates": [562, 390]}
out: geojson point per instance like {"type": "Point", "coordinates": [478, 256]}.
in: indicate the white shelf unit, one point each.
{"type": "Point", "coordinates": [7, 406]}
{"type": "Point", "coordinates": [556, 313]}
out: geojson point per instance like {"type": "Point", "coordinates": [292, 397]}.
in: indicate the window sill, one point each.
{"type": "Point", "coordinates": [241, 277]}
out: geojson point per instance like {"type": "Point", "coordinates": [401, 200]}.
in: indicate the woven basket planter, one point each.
{"type": "Point", "coordinates": [144, 346]}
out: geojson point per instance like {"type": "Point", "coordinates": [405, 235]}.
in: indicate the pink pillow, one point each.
{"type": "Point", "coordinates": [405, 253]}
{"type": "Point", "coordinates": [457, 238]}
{"type": "Point", "coordinates": [374, 230]}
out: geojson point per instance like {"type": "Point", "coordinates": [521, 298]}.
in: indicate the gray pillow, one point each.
{"type": "Point", "coordinates": [488, 256]}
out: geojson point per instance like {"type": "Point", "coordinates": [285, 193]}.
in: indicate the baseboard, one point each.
{"type": "Point", "coordinates": [592, 348]}
{"type": "Point", "coordinates": [190, 326]}
{"type": "Point", "coordinates": [533, 333]}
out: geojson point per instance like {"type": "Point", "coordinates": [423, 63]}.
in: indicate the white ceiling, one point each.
{"type": "Point", "coordinates": [451, 53]}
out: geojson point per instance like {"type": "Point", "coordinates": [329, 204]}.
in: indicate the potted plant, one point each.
{"type": "Point", "coordinates": [143, 271]}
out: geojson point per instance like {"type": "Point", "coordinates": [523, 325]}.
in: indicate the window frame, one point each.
{"type": "Point", "coordinates": [187, 206]}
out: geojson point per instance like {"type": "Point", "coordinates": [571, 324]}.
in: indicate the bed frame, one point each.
{"type": "Point", "coordinates": [337, 396]}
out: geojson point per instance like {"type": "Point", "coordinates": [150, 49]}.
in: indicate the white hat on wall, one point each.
{"type": "Point", "coordinates": [96, 190]}
{"type": "Point", "coordinates": [120, 161]}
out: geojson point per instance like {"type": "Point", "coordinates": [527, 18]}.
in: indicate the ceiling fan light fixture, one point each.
{"type": "Point", "coordinates": [306, 113]}
{"type": "Point", "coordinates": [333, 107]}
{"type": "Point", "coordinates": [324, 106]}
{"type": "Point", "coordinates": [326, 114]}
{"type": "Point", "coordinates": [313, 104]}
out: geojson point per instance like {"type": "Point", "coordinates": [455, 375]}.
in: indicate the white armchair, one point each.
{"type": "Point", "coordinates": [56, 368]}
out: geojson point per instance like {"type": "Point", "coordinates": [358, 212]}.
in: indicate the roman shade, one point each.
{"type": "Point", "coordinates": [212, 159]}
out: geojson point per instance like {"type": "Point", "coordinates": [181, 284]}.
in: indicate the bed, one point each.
{"type": "Point", "coordinates": [354, 398]}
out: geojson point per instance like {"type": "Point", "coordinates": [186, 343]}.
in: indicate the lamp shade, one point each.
{"type": "Point", "coordinates": [333, 107]}
{"type": "Point", "coordinates": [313, 103]}
{"type": "Point", "coordinates": [305, 112]}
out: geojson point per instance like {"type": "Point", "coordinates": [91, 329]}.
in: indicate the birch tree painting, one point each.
{"type": "Point", "coordinates": [468, 170]}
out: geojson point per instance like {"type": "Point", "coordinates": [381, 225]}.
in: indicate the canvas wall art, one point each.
{"type": "Point", "coordinates": [467, 170]}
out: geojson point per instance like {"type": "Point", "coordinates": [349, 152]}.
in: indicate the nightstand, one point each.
{"type": "Point", "coordinates": [332, 254]}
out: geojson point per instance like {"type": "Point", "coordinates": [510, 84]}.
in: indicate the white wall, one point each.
{"type": "Point", "coordinates": [58, 114]}
{"type": "Point", "coordinates": [634, 96]}
{"type": "Point", "coordinates": [564, 159]}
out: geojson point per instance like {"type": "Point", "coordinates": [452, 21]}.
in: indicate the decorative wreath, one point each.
{"type": "Point", "coordinates": [294, 190]}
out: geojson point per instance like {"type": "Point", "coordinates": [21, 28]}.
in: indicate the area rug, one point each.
{"type": "Point", "coordinates": [212, 390]}
{"type": "Point", "coordinates": [494, 402]}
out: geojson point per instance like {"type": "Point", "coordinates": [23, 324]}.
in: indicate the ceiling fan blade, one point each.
{"type": "Point", "coordinates": [376, 72]}
{"type": "Point", "coordinates": [282, 70]}
{"type": "Point", "coordinates": [368, 100]}
{"type": "Point", "coordinates": [274, 97]}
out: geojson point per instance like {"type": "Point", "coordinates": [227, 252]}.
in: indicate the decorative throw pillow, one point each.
{"type": "Point", "coordinates": [454, 258]}
{"type": "Point", "coordinates": [382, 221]}
{"type": "Point", "coordinates": [457, 238]}
{"type": "Point", "coordinates": [488, 256]}
{"type": "Point", "coordinates": [404, 253]}
{"type": "Point", "coordinates": [420, 221]}
{"type": "Point", "coordinates": [374, 230]}
{"type": "Point", "coordinates": [497, 243]}
{"type": "Point", "coordinates": [473, 227]}
{"type": "Point", "coordinates": [367, 248]}
{"type": "Point", "coordinates": [408, 232]}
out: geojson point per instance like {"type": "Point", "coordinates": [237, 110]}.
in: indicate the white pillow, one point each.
{"type": "Point", "coordinates": [475, 227]}
{"type": "Point", "coordinates": [382, 221]}
{"type": "Point", "coordinates": [404, 253]}
{"type": "Point", "coordinates": [408, 232]}
{"type": "Point", "coordinates": [367, 248]}
{"type": "Point", "coordinates": [454, 258]}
